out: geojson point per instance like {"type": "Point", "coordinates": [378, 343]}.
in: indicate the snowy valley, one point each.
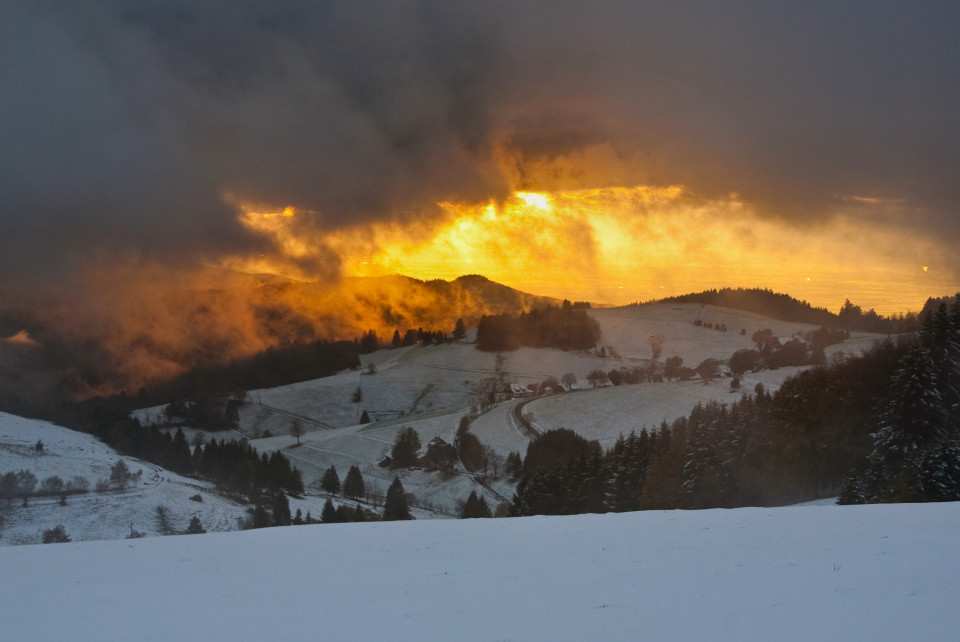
{"type": "Point", "coordinates": [810, 571]}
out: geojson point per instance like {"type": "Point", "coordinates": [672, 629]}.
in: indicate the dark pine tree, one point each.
{"type": "Point", "coordinates": [330, 481]}
{"type": "Point", "coordinates": [281, 509]}
{"type": "Point", "coordinates": [329, 514]}
{"type": "Point", "coordinates": [405, 448]}
{"type": "Point", "coordinates": [475, 507]}
{"type": "Point", "coordinates": [459, 330]}
{"type": "Point", "coordinates": [395, 505]}
{"type": "Point", "coordinates": [353, 485]}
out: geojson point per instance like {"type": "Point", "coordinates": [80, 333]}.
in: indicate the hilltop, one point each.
{"type": "Point", "coordinates": [782, 306]}
{"type": "Point", "coordinates": [220, 319]}
{"type": "Point", "coordinates": [69, 350]}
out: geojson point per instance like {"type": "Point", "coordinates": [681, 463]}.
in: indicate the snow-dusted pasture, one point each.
{"type": "Point", "coordinates": [93, 515]}
{"type": "Point", "coordinates": [429, 388]}
{"type": "Point", "coordinates": [818, 571]}
{"type": "Point", "coordinates": [888, 572]}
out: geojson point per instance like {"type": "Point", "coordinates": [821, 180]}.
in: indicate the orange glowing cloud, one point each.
{"type": "Point", "coordinates": [300, 246]}
{"type": "Point", "coordinates": [618, 245]}
{"type": "Point", "coordinates": [22, 338]}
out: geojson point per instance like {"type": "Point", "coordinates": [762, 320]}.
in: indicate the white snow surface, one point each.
{"type": "Point", "coordinates": [887, 572]}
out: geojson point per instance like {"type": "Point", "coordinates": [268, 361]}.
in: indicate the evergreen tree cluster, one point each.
{"type": "Point", "coordinates": [273, 367]}
{"type": "Point", "coordinates": [797, 444]}
{"type": "Point", "coordinates": [916, 451]}
{"type": "Point", "coordinates": [563, 475]}
{"type": "Point", "coordinates": [566, 327]}
{"type": "Point", "coordinates": [773, 353]}
{"type": "Point", "coordinates": [236, 467]}
{"type": "Point", "coordinates": [270, 508]}
{"type": "Point", "coordinates": [342, 514]}
{"type": "Point", "coordinates": [413, 337]}
{"type": "Point", "coordinates": [475, 507]}
{"type": "Point", "coordinates": [108, 419]}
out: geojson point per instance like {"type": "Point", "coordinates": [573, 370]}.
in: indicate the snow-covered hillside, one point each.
{"type": "Point", "coordinates": [424, 387]}
{"type": "Point", "coordinates": [429, 389]}
{"type": "Point", "coordinates": [98, 515]}
{"type": "Point", "coordinates": [887, 572]}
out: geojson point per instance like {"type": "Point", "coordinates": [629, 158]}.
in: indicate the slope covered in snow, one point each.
{"type": "Point", "coordinates": [98, 515]}
{"type": "Point", "coordinates": [884, 572]}
{"type": "Point", "coordinates": [430, 388]}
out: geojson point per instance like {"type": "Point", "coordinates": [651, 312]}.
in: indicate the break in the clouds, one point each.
{"type": "Point", "coordinates": [128, 127]}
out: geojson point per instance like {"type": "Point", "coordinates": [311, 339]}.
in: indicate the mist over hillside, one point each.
{"type": "Point", "coordinates": [152, 333]}
{"type": "Point", "coordinates": [74, 350]}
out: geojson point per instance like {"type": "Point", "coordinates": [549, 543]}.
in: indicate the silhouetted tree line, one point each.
{"type": "Point", "coordinates": [797, 444]}
{"type": "Point", "coordinates": [426, 337]}
{"type": "Point", "coordinates": [270, 368]}
{"type": "Point", "coordinates": [916, 451]}
{"type": "Point", "coordinates": [207, 412]}
{"type": "Point", "coordinates": [198, 396]}
{"type": "Point", "coordinates": [475, 507]}
{"type": "Point", "coordinates": [566, 327]}
{"type": "Point", "coordinates": [563, 475]}
{"type": "Point", "coordinates": [233, 465]}
{"type": "Point", "coordinates": [771, 352]}
{"type": "Point", "coordinates": [342, 514]}
{"type": "Point", "coordinates": [108, 420]}
{"type": "Point", "coordinates": [784, 307]}
{"type": "Point", "coordinates": [236, 467]}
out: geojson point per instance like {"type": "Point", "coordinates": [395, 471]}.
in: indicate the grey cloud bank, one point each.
{"type": "Point", "coordinates": [124, 124]}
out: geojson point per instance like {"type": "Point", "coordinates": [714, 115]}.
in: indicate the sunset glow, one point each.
{"type": "Point", "coordinates": [621, 245]}
{"type": "Point", "coordinates": [171, 198]}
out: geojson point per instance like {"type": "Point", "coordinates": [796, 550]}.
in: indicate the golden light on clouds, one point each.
{"type": "Point", "coordinates": [619, 245]}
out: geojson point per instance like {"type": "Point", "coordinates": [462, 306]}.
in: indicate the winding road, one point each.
{"type": "Point", "coordinates": [520, 422]}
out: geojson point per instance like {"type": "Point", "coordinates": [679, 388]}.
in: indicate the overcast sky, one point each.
{"type": "Point", "coordinates": [124, 124]}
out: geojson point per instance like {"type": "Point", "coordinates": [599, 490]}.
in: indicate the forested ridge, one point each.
{"type": "Point", "coordinates": [884, 426]}
{"type": "Point", "coordinates": [567, 327]}
{"type": "Point", "coordinates": [786, 308]}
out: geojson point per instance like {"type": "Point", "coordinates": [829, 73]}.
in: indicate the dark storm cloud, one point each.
{"type": "Point", "coordinates": [123, 123]}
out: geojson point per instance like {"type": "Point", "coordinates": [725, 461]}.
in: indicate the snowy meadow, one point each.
{"type": "Point", "coordinates": [880, 572]}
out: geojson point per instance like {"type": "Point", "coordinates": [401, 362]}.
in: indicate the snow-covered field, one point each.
{"type": "Point", "coordinates": [820, 571]}
{"type": "Point", "coordinates": [93, 515]}
{"type": "Point", "coordinates": [431, 386]}
{"type": "Point", "coordinates": [429, 389]}
{"type": "Point", "coordinates": [887, 572]}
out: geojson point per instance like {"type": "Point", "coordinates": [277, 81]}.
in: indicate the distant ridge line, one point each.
{"type": "Point", "coordinates": [784, 307]}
